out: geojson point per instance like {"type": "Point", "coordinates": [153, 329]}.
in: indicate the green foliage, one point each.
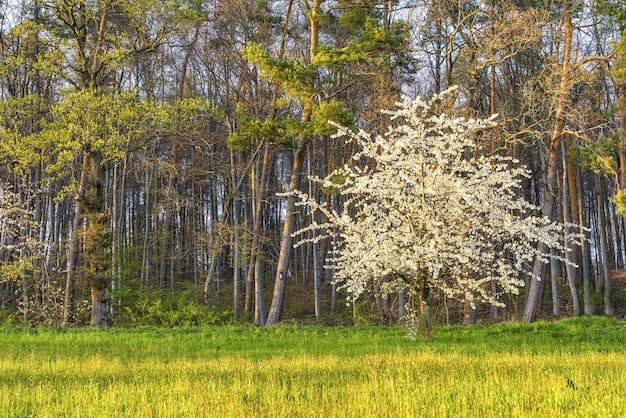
{"type": "Point", "coordinates": [364, 313]}
{"type": "Point", "coordinates": [294, 76]}
{"type": "Point", "coordinates": [21, 119]}
{"type": "Point", "coordinates": [373, 46]}
{"type": "Point", "coordinates": [620, 201]}
{"type": "Point", "coordinates": [279, 132]}
{"type": "Point", "coordinates": [28, 51]}
{"type": "Point", "coordinates": [616, 10]}
{"type": "Point", "coordinates": [14, 270]}
{"type": "Point", "coordinates": [330, 111]}
{"type": "Point", "coordinates": [613, 8]}
{"type": "Point", "coordinates": [94, 122]}
{"type": "Point", "coordinates": [161, 309]}
{"type": "Point", "coordinates": [367, 46]}
{"type": "Point", "coordinates": [598, 155]}
{"type": "Point", "coordinates": [131, 28]}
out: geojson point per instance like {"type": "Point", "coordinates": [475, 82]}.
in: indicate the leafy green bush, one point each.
{"type": "Point", "coordinates": [162, 309]}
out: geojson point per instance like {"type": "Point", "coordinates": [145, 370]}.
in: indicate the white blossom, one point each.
{"type": "Point", "coordinates": [422, 206]}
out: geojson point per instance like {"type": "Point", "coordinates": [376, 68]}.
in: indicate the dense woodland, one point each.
{"type": "Point", "coordinates": [146, 145]}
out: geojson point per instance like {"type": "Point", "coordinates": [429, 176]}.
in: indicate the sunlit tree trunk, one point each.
{"type": "Point", "coordinates": [286, 241]}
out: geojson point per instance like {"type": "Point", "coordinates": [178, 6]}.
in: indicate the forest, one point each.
{"type": "Point", "coordinates": [152, 152]}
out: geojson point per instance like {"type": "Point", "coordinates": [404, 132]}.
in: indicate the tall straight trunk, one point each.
{"type": "Point", "coordinates": [584, 255]}
{"type": "Point", "coordinates": [255, 250]}
{"type": "Point", "coordinates": [555, 285]}
{"type": "Point", "coordinates": [493, 310]}
{"type": "Point", "coordinates": [236, 260]}
{"type": "Point", "coordinates": [210, 282]}
{"type": "Point", "coordinates": [249, 281]}
{"type": "Point", "coordinates": [115, 231]}
{"type": "Point", "coordinates": [621, 149]}
{"type": "Point", "coordinates": [562, 100]}
{"type": "Point", "coordinates": [618, 235]}
{"type": "Point", "coordinates": [604, 255]}
{"type": "Point", "coordinates": [259, 306]}
{"type": "Point", "coordinates": [235, 243]}
{"type": "Point", "coordinates": [70, 267]}
{"type": "Point", "coordinates": [118, 210]}
{"type": "Point", "coordinates": [555, 275]}
{"type": "Point", "coordinates": [569, 268]}
{"type": "Point", "coordinates": [73, 245]}
{"type": "Point", "coordinates": [317, 279]}
{"type": "Point", "coordinates": [196, 225]}
{"type": "Point", "coordinates": [282, 268]}
{"type": "Point", "coordinates": [317, 263]}
{"type": "Point", "coordinates": [333, 287]}
{"type": "Point", "coordinates": [146, 262]}
{"type": "Point", "coordinates": [573, 181]}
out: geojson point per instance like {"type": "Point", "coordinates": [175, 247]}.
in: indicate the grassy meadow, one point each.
{"type": "Point", "coordinates": [572, 368]}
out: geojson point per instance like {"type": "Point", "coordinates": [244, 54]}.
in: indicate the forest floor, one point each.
{"type": "Point", "coordinates": [575, 368]}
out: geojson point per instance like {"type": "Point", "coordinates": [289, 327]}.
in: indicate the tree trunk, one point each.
{"type": "Point", "coordinates": [556, 289]}
{"type": "Point", "coordinates": [317, 263]}
{"type": "Point", "coordinates": [424, 310]}
{"type": "Point", "coordinates": [97, 239]}
{"type": "Point", "coordinates": [402, 300]}
{"type": "Point", "coordinates": [235, 259]}
{"type": "Point", "coordinates": [584, 255]}
{"type": "Point", "coordinates": [533, 300]}
{"type": "Point", "coordinates": [569, 268]}
{"type": "Point", "coordinates": [99, 312]}
{"type": "Point", "coordinates": [604, 255]}
{"type": "Point", "coordinates": [73, 245]}
{"type": "Point", "coordinates": [235, 246]}
{"type": "Point", "coordinates": [72, 255]}
{"type": "Point", "coordinates": [317, 280]}
{"type": "Point", "coordinates": [469, 313]}
{"type": "Point", "coordinates": [259, 307]}
{"type": "Point", "coordinates": [282, 268]}
{"type": "Point", "coordinates": [621, 149]}
{"type": "Point", "coordinates": [257, 181]}
{"type": "Point", "coordinates": [562, 100]}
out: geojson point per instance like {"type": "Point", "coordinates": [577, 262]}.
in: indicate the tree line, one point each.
{"type": "Point", "coordinates": [151, 150]}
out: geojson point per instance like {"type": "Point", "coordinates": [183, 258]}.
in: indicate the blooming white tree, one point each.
{"type": "Point", "coordinates": [423, 208]}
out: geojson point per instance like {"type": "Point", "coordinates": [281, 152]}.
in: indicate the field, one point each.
{"type": "Point", "coordinates": [573, 368]}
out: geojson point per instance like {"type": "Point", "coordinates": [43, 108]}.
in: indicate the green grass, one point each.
{"type": "Point", "coordinates": [576, 367]}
